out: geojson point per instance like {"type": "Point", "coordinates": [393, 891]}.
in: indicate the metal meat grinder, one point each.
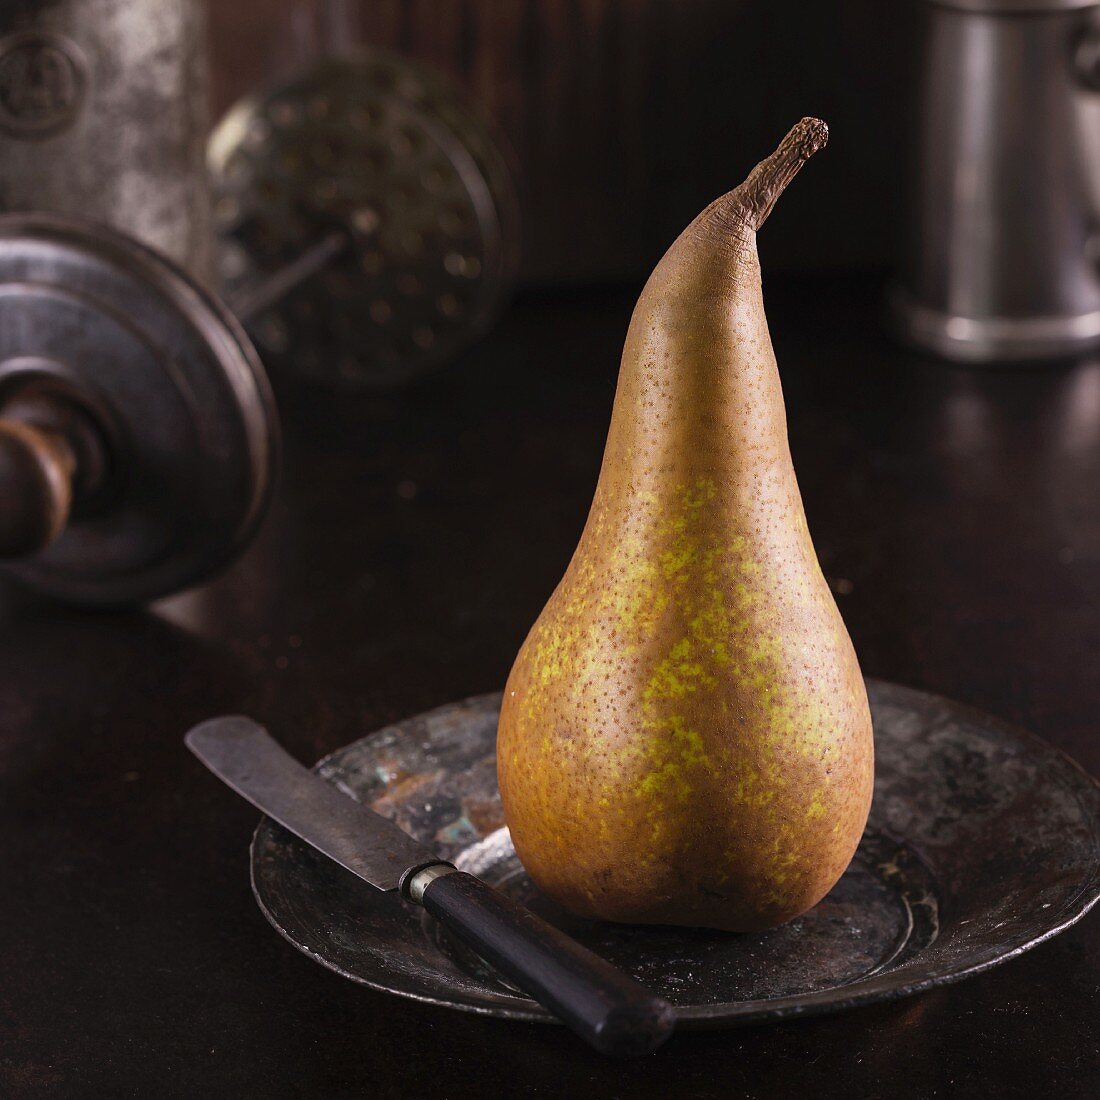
{"type": "Point", "coordinates": [367, 227]}
{"type": "Point", "coordinates": [137, 432]}
{"type": "Point", "coordinates": [1002, 260]}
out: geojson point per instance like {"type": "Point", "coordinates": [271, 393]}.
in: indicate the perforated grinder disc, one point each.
{"type": "Point", "coordinates": [387, 150]}
{"type": "Point", "coordinates": [173, 387]}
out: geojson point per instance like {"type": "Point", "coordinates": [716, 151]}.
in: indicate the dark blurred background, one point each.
{"type": "Point", "coordinates": [417, 529]}
{"type": "Point", "coordinates": [626, 117]}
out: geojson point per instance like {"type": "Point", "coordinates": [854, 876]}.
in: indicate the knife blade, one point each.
{"type": "Point", "coordinates": [247, 758]}
{"type": "Point", "coordinates": [611, 1011]}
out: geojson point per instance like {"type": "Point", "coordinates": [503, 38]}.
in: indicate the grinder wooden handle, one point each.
{"type": "Point", "coordinates": [36, 487]}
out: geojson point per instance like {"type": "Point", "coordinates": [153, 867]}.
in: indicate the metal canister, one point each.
{"type": "Point", "coordinates": [1003, 256]}
{"type": "Point", "coordinates": [103, 113]}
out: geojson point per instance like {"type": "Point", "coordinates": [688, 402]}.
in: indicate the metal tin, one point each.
{"type": "Point", "coordinates": [1002, 252]}
{"type": "Point", "coordinates": [103, 114]}
{"type": "Point", "coordinates": [983, 841]}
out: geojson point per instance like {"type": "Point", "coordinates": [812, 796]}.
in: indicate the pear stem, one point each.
{"type": "Point", "coordinates": [750, 203]}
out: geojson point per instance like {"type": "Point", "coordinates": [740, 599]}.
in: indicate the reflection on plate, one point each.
{"type": "Point", "coordinates": [983, 841]}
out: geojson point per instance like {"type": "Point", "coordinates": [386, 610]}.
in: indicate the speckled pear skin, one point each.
{"type": "Point", "coordinates": [685, 736]}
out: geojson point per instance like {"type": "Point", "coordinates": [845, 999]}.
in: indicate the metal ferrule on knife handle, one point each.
{"type": "Point", "coordinates": [415, 883]}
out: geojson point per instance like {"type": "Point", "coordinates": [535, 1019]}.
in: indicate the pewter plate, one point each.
{"type": "Point", "coordinates": [983, 842]}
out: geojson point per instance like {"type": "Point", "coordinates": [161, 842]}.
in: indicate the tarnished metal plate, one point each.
{"type": "Point", "coordinates": [172, 383]}
{"type": "Point", "coordinates": [387, 149]}
{"type": "Point", "coordinates": [983, 842]}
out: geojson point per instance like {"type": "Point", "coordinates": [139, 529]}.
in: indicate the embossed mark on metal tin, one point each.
{"type": "Point", "coordinates": [43, 78]}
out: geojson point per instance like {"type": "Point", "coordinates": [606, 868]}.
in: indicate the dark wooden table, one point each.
{"type": "Point", "coordinates": [957, 515]}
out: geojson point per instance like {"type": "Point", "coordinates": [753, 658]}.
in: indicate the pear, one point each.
{"type": "Point", "coordinates": [685, 736]}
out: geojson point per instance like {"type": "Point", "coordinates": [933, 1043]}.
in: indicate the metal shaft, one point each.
{"type": "Point", "coordinates": [256, 300]}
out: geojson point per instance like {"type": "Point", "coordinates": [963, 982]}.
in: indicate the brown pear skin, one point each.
{"type": "Point", "coordinates": [685, 736]}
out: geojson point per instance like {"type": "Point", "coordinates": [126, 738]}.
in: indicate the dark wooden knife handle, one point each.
{"type": "Point", "coordinates": [611, 1011]}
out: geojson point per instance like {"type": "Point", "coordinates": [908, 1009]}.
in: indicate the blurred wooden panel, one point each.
{"type": "Point", "coordinates": [625, 117]}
